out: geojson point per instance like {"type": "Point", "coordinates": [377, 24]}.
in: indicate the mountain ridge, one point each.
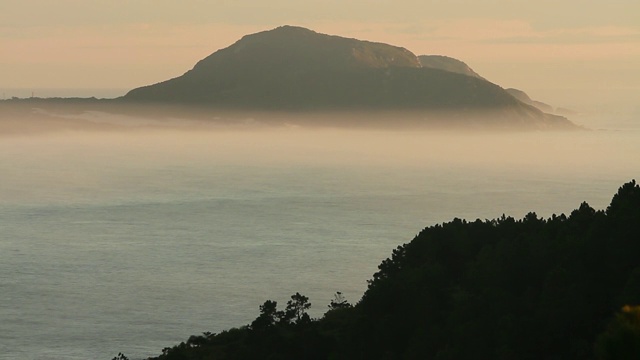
{"type": "Point", "coordinates": [447, 63]}
{"type": "Point", "coordinates": [296, 69]}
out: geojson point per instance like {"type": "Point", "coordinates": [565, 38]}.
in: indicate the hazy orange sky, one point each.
{"type": "Point", "coordinates": [564, 52]}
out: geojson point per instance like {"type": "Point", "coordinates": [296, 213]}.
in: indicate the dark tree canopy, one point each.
{"type": "Point", "coordinates": [496, 289]}
{"type": "Point", "coordinates": [621, 339]}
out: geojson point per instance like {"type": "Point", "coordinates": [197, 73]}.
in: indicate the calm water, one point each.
{"type": "Point", "coordinates": [132, 242]}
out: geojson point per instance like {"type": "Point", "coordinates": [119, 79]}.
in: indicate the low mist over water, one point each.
{"type": "Point", "coordinates": [130, 240]}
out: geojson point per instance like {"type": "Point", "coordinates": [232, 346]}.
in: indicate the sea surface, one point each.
{"type": "Point", "coordinates": [132, 242]}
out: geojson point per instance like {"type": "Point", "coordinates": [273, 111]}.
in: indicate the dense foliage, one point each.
{"type": "Point", "coordinates": [496, 289]}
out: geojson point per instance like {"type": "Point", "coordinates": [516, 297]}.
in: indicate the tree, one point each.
{"type": "Point", "coordinates": [296, 310]}
{"type": "Point", "coordinates": [621, 339]}
{"type": "Point", "coordinates": [339, 302]}
{"type": "Point", "coordinates": [500, 289]}
{"type": "Point", "coordinates": [268, 317]}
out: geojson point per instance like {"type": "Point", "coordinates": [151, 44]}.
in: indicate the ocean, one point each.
{"type": "Point", "coordinates": [132, 242]}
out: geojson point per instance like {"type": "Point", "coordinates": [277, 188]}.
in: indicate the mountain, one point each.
{"type": "Point", "coordinates": [447, 64]}
{"type": "Point", "coordinates": [288, 67]}
{"type": "Point", "coordinates": [454, 65]}
{"type": "Point", "coordinates": [522, 96]}
{"type": "Point", "coordinates": [296, 69]}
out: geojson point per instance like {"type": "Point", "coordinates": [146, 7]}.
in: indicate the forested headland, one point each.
{"type": "Point", "coordinates": [565, 287]}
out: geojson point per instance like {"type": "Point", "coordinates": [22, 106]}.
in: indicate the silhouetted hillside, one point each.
{"type": "Point", "coordinates": [522, 96]}
{"type": "Point", "coordinates": [496, 289]}
{"type": "Point", "coordinates": [454, 65]}
{"type": "Point", "coordinates": [447, 64]}
{"type": "Point", "coordinates": [292, 68]}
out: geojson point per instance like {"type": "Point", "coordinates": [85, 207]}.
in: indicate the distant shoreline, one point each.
{"type": "Point", "coordinates": [100, 93]}
{"type": "Point", "coordinates": [38, 114]}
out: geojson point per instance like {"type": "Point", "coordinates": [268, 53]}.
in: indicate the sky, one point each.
{"type": "Point", "coordinates": [565, 52]}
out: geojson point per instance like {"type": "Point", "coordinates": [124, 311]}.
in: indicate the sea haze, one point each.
{"type": "Point", "coordinates": [130, 241]}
